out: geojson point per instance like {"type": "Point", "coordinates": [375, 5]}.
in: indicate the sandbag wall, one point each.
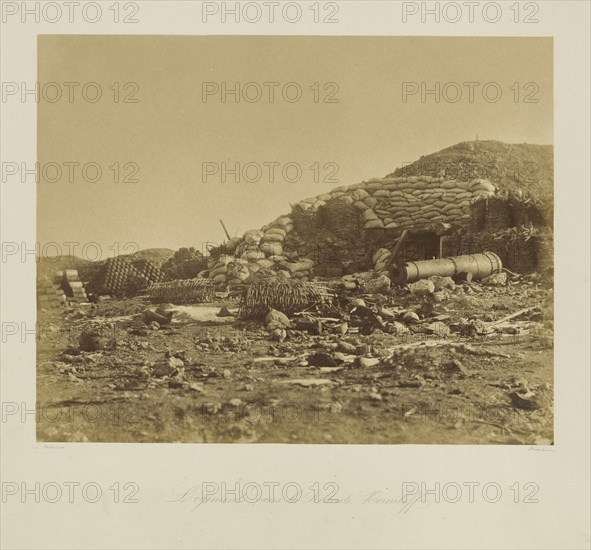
{"type": "Point", "coordinates": [400, 203]}
{"type": "Point", "coordinates": [352, 215]}
{"type": "Point", "coordinates": [260, 254]}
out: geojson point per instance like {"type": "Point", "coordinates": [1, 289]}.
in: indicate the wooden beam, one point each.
{"type": "Point", "coordinates": [396, 249]}
{"type": "Point", "coordinates": [225, 230]}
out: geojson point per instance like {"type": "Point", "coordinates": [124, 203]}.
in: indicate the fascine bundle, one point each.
{"type": "Point", "coordinates": [182, 291]}
{"type": "Point", "coordinates": [285, 296]}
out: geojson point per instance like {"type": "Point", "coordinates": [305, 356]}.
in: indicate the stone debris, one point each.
{"type": "Point", "coordinates": [95, 339]}
{"type": "Point", "coordinates": [422, 287]}
{"type": "Point", "coordinates": [410, 317]}
{"type": "Point", "coordinates": [379, 284]}
{"type": "Point", "coordinates": [366, 362]}
{"type": "Point", "coordinates": [310, 382]}
{"type": "Point", "coordinates": [282, 316]}
{"type": "Point", "coordinates": [225, 312]}
{"type": "Point", "coordinates": [321, 360]}
{"type": "Point", "coordinates": [158, 314]}
{"type": "Point", "coordinates": [276, 319]}
{"type": "Point", "coordinates": [496, 279]}
{"type": "Point", "coordinates": [278, 334]}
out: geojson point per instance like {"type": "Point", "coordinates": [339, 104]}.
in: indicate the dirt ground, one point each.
{"type": "Point", "coordinates": [209, 379]}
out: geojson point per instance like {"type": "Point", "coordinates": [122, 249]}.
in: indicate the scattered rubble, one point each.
{"type": "Point", "coordinates": [158, 314]}
{"type": "Point", "coordinates": [334, 308]}
{"type": "Point", "coordinates": [422, 287]}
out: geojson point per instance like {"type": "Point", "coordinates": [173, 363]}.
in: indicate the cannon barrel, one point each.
{"type": "Point", "coordinates": [478, 265]}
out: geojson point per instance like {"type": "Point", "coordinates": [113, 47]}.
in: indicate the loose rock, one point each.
{"type": "Point", "coordinates": [423, 287]}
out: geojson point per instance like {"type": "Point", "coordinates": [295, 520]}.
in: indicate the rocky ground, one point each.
{"type": "Point", "coordinates": [435, 365]}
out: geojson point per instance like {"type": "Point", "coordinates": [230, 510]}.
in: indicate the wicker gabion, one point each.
{"type": "Point", "coordinates": [287, 296]}
{"type": "Point", "coordinates": [182, 291]}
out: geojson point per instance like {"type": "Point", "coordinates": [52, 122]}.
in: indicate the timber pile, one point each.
{"type": "Point", "coordinates": [65, 287]}
{"type": "Point", "coordinates": [49, 295]}
{"type": "Point", "coordinates": [73, 287]}
{"type": "Point", "coordinates": [286, 296]}
{"type": "Point", "coordinates": [182, 291]}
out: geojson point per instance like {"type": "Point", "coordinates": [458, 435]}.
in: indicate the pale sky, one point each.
{"type": "Point", "coordinates": [170, 132]}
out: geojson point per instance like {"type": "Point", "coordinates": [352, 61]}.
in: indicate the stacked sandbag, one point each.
{"type": "Point", "coordinates": [239, 271]}
{"type": "Point", "coordinates": [274, 236]}
{"type": "Point", "coordinates": [257, 252]}
{"type": "Point", "coordinates": [252, 253]}
{"type": "Point", "coordinates": [313, 203]}
{"type": "Point", "coordinates": [301, 270]}
{"type": "Point", "coordinates": [399, 203]}
{"type": "Point", "coordinates": [381, 259]}
{"type": "Point", "coordinates": [394, 203]}
{"type": "Point", "coordinates": [219, 268]}
{"type": "Point", "coordinates": [252, 237]}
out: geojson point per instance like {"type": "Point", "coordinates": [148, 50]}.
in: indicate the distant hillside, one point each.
{"type": "Point", "coordinates": [512, 167]}
{"type": "Point", "coordinates": [47, 265]}
{"type": "Point", "coordinates": [156, 255]}
{"type": "Point", "coordinates": [87, 269]}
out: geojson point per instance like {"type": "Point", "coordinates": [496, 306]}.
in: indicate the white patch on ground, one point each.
{"type": "Point", "coordinates": [200, 313]}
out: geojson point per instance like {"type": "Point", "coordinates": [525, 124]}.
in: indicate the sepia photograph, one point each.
{"type": "Point", "coordinates": [295, 274]}
{"type": "Point", "coordinates": [295, 240]}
